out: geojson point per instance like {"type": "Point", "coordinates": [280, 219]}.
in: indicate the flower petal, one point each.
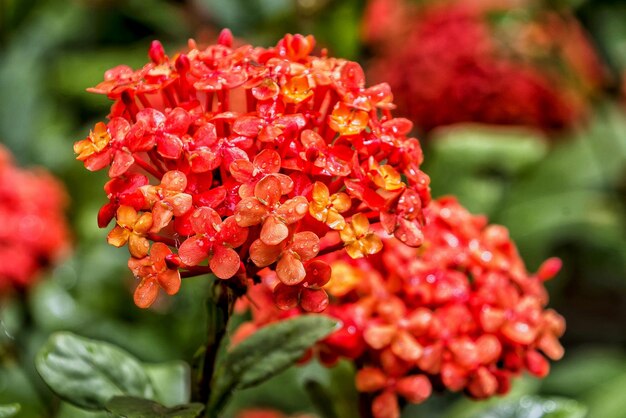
{"type": "Point", "coordinates": [118, 236]}
{"type": "Point", "coordinates": [268, 190]}
{"type": "Point", "coordinates": [293, 209]}
{"type": "Point", "coordinates": [306, 244]}
{"type": "Point", "coordinates": [290, 269]}
{"type": "Point", "coordinates": [138, 246]}
{"type": "Point", "coordinates": [169, 280]}
{"type": "Point", "coordinates": [274, 231]}
{"type": "Point", "coordinates": [267, 161]}
{"type": "Point", "coordinates": [206, 221]}
{"type": "Point", "coordinates": [249, 212]}
{"type": "Point", "coordinates": [193, 250]}
{"type": "Point", "coordinates": [225, 262]}
{"type": "Point", "coordinates": [146, 293]}
{"type": "Point", "coordinates": [263, 255]}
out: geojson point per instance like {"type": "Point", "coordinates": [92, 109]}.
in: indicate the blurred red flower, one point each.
{"type": "Point", "coordinates": [34, 233]}
{"type": "Point", "coordinates": [483, 61]}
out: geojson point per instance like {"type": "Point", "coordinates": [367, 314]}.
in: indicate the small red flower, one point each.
{"type": "Point", "coordinates": [214, 239]}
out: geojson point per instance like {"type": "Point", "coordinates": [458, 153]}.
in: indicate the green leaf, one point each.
{"type": "Point", "coordinates": [132, 407]}
{"type": "Point", "coordinates": [475, 146]}
{"type": "Point", "coordinates": [11, 410]}
{"type": "Point", "coordinates": [171, 382]}
{"type": "Point", "coordinates": [265, 353]}
{"type": "Point", "coordinates": [88, 373]}
{"type": "Point", "coordinates": [535, 407]}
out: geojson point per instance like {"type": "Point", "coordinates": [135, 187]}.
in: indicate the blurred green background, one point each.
{"type": "Point", "coordinates": [562, 195]}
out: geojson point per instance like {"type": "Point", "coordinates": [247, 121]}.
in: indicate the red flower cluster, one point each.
{"type": "Point", "coordinates": [233, 160]}
{"type": "Point", "coordinates": [460, 313]}
{"type": "Point", "coordinates": [34, 232]}
{"type": "Point", "coordinates": [483, 62]}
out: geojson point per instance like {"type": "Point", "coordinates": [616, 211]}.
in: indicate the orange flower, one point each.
{"type": "Point", "coordinates": [132, 228]}
{"type": "Point", "coordinates": [327, 208]}
{"type": "Point", "coordinates": [348, 121]}
{"type": "Point", "coordinates": [358, 238]}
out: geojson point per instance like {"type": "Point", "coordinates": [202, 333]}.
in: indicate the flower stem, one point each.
{"type": "Point", "coordinates": [220, 307]}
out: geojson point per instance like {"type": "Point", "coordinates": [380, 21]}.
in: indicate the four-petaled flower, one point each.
{"type": "Point", "coordinates": [359, 239]}
{"type": "Point", "coordinates": [265, 208]}
{"type": "Point", "coordinates": [290, 254]}
{"type": "Point", "coordinates": [154, 273]}
{"type": "Point", "coordinates": [214, 239]}
{"type": "Point", "coordinates": [132, 228]}
{"type": "Point", "coordinates": [168, 199]}
{"type": "Point", "coordinates": [327, 208]}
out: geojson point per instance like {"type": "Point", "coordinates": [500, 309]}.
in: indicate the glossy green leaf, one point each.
{"type": "Point", "coordinates": [132, 407]}
{"type": "Point", "coordinates": [535, 407]}
{"type": "Point", "coordinates": [88, 373]}
{"type": "Point", "coordinates": [265, 353]}
{"type": "Point", "coordinates": [7, 411]}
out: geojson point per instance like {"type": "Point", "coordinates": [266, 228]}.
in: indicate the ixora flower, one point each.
{"type": "Point", "coordinates": [483, 61]}
{"type": "Point", "coordinates": [239, 161]}
{"type": "Point", "coordinates": [460, 313]}
{"type": "Point", "coordinates": [34, 233]}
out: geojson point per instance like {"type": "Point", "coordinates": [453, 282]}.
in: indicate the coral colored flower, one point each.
{"type": "Point", "coordinates": [454, 62]}
{"type": "Point", "coordinates": [460, 313]}
{"type": "Point", "coordinates": [214, 239]}
{"type": "Point", "coordinates": [249, 160]}
{"type": "Point", "coordinates": [168, 199]}
{"type": "Point", "coordinates": [154, 273]}
{"type": "Point", "coordinates": [34, 234]}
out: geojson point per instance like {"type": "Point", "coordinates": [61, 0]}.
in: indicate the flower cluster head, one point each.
{"type": "Point", "coordinates": [483, 61]}
{"type": "Point", "coordinates": [239, 160]}
{"type": "Point", "coordinates": [459, 313]}
{"type": "Point", "coordinates": [34, 233]}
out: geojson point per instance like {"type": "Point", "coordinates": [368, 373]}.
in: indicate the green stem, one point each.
{"type": "Point", "coordinates": [220, 308]}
